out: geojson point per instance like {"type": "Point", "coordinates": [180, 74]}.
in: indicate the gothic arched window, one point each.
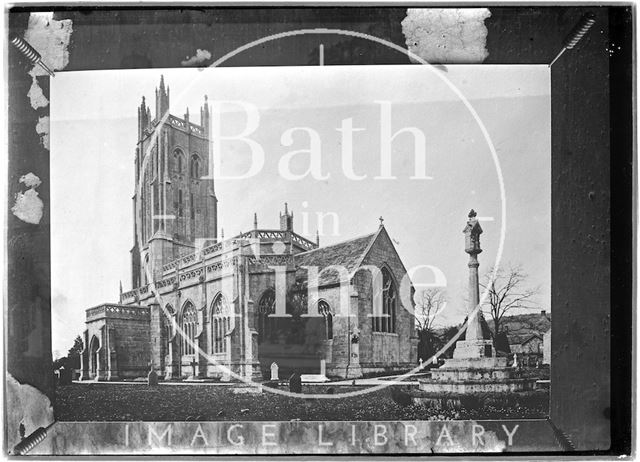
{"type": "Point", "coordinates": [178, 158]}
{"type": "Point", "coordinates": [325, 310]}
{"type": "Point", "coordinates": [189, 326]}
{"type": "Point", "coordinates": [264, 323]}
{"type": "Point", "coordinates": [195, 166]}
{"type": "Point", "coordinates": [386, 322]}
{"type": "Point", "coordinates": [220, 323]}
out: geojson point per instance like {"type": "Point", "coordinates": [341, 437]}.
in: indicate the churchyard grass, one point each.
{"type": "Point", "coordinates": [114, 402]}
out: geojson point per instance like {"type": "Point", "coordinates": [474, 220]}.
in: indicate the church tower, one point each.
{"type": "Point", "coordinates": [174, 202]}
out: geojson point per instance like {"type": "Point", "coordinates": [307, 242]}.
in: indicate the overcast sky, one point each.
{"type": "Point", "coordinates": [93, 138]}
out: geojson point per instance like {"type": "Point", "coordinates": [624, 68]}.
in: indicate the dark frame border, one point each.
{"type": "Point", "coordinates": [591, 180]}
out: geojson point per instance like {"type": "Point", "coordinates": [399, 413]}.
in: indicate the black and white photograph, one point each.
{"type": "Point", "coordinates": [294, 165]}
{"type": "Point", "coordinates": [249, 255]}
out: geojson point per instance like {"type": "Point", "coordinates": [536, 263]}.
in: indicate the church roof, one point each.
{"type": "Point", "coordinates": [348, 254]}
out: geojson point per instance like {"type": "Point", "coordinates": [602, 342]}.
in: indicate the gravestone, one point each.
{"type": "Point", "coordinates": [274, 371]}
{"type": "Point", "coordinates": [295, 383]}
{"type": "Point", "coordinates": [152, 378]}
{"type": "Point", "coordinates": [323, 367]}
{"type": "Point", "coordinates": [64, 376]}
{"type": "Point", "coordinates": [420, 361]}
{"type": "Point", "coordinates": [435, 360]}
{"type": "Point", "coordinates": [515, 360]}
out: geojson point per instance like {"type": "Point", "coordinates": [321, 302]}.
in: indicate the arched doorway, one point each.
{"type": "Point", "coordinates": [94, 365]}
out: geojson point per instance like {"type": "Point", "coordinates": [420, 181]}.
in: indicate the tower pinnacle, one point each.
{"type": "Point", "coordinates": [162, 99]}
{"type": "Point", "coordinates": [286, 219]}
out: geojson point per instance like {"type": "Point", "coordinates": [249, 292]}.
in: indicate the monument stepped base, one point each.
{"type": "Point", "coordinates": [478, 375]}
{"type": "Point", "coordinates": [477, 386]}
{"type": "Point", "coordinates": [471, 372]}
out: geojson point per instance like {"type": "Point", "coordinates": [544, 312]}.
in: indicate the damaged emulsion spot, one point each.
{"type": "Point", "coordinates": [27, 410]}
{"type": "Point", "coordinates": [51, 39]}
{"type": "Point", "coordinates": [36, 97]}
{"type": "Point", "coordinates": [200, 57]}
{"type": "Point", "coordinates": [42, 129]}
{"type": "Point", "coordinates": [447, 35]}
{"type": "Point", "coordinates": [28, 206]}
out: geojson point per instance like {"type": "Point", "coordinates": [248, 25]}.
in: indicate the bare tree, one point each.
{"type": "Point", "coordinates": [429, 303]}
{"type": "Point", "coordinates": [507, 291]}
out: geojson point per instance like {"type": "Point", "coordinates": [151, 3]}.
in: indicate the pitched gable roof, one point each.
{"type": "Point", "coordinates": [348, 254]}
{"type": "Point", "coordinates": [520, 327]}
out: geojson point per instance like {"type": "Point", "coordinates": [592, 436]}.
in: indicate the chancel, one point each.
{"type": "Point", "coordinates": [201, 311]}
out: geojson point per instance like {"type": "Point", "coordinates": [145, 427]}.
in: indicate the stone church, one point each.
{"type": "Point", "coordinates": [207, 307]}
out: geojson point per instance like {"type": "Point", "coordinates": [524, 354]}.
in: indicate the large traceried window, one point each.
{"type": "Point", "coordinates": [220, 323]}
{"type": "Point", "coordinates": [386, 322]}
{"type": "Point", "coordinates": [325, 310]}
{"type": "Point", "coordinates": [264, 322]}
{"type": "Point", "coordinates": [189, 327]}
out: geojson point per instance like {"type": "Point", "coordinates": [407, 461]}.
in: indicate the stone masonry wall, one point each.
{"type": "Point", "coordinates": [385, 351]}
{"type": "Point", "coordinates": [132, 346]}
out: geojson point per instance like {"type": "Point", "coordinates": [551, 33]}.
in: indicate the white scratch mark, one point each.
{"type": "Point", "coordinates": [28, 206]}
{"type": "Point", "coordinates": [199, 57]}
{"type": "Point", "coordinates": [447, 35]}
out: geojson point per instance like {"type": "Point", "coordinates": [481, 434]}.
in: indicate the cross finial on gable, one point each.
{"type": "Point", "coordinates": [381, 220]}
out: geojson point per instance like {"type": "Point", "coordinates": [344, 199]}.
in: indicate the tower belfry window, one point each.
{"type": "Point", "coordinates": [178, 158]}
{"type": "Point", "coordinates": [195, 167]}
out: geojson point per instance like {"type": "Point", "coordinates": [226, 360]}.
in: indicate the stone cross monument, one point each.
{"type": "Point", "coordinates": [474, 368]}
{"type": "Point", "coordinates": [475, 350]}
{"type": "Point", "coordinates": [472, 246]}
